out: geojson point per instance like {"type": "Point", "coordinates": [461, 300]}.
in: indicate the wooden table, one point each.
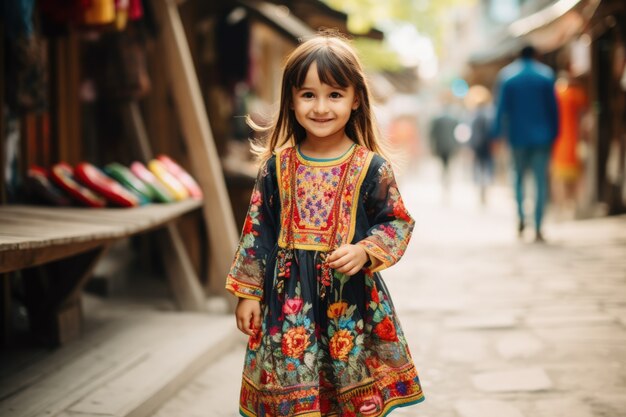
{"type": "Point", "coordinates": [56, 248]}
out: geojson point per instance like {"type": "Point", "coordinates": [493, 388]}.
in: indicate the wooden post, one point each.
{"type": "Point", "coordinates": [5, 300]}
{"type": "Point", "coordinates": [197, 132]}
{"type": "Point", "coordinates": [181, 276]}
{"type": "Point", "coordinates": [3, 197]}
{"type": "Point", "coordinates": [66, 102]}
{"type": "Point", "coordinates": [53, 296]}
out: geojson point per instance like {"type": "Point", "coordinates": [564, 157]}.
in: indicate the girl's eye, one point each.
{"type": "Point", "coordinates": [335, 95]}
{"type": "Point", "coordinates": [307, 95]}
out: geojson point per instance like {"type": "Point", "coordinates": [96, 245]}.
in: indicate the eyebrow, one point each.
{"type": "Point", "coordinates": [304, 87]}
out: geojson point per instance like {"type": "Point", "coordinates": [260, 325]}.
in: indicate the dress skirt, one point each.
{"type": "Point", "coordinates": [326, 348]}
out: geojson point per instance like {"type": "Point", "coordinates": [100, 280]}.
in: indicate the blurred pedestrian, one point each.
{"type": "Point", "coordinates": [566, 166]}
{"type": "Point", "coordinates": [527, 114]}
{"type": "Point", "coordinates": [442, 140]}
{"type": "Point", "coordinates": [478, 102]}
{"type": "Point", "coordinates": [325, 216]}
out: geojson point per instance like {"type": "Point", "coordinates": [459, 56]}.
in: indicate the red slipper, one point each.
{"type": "Point", "coordinates": [98, 181]}
{"type": "Point", "coordinates": [63, 175]}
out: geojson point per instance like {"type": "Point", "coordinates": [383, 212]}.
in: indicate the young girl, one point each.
{"type": "Point", "coordinates": [325, 217]}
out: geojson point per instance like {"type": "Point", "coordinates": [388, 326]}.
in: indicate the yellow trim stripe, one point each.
{"type": "Point", "coordinates": [399, 402]}
{"type": "Point", "coordinates": [384, 259]}
{"type": "Point", "coordinates": [282, 192]}
{"type": "Point", "coordinates": [246, 413]}
{"type": "Point", "coordinates": [357, 191]}
{"type": "Point", "coordinates": [252, 289]}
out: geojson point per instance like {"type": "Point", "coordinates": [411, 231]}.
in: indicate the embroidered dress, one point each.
{"type": "Point", "coordinates": [330, 344]}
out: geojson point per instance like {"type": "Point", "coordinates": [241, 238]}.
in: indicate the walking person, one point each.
{"type": "Point", "coordinates": [478, 102]}
{"type": "Point", "coordinates": [526, 111]}
{"type": "Point", "coordinates": [325, 217]}
{"type": "Point", "coordinates": [442, 140]}
{"type": "Point", "coordinates": [566, 164]}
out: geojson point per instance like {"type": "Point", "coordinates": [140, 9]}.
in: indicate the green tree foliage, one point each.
{"type": "Point", "coordinates": [427, 15]}
{"type": "Point", "coordinates": [376, 55]}
{"type": "Point", "coordinates": [430, 17]}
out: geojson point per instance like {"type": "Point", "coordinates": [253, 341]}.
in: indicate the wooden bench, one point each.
{"type": "Point", "coordinates": [56, 248]}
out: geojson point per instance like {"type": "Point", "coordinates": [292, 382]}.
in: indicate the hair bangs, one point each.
{"type": "Point", "coordinates": [331, 69]}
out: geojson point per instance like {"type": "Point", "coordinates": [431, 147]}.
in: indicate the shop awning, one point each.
{"type": "Point", "coordinates": [547, 29]}
{"type": "Point", "coordinates": [281, 18]}
{"type": "Point", "coordinates": [301, 18]}
{"type": "Point", "coordinates": [542, 18]}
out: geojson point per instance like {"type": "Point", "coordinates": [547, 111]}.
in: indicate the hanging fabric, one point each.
{"type": "Point", "coordinates": [98, 12]}
{"type": "Point", "coordinates": [26, 82]}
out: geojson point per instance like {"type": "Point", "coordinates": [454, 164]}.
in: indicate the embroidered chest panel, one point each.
{"type": "Point", "coordinates": [319, 198]}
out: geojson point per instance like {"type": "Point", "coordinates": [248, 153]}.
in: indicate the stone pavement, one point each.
{"type": "Point", "coordinates": [498, 327]}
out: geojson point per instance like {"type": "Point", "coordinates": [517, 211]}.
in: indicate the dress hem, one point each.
{"type": "Point", "coordinates": [386, 410]}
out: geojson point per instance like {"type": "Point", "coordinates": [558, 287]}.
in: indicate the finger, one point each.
{"type": "Point", "coordinates": [256, 321]}
{"type": "Point", "coordinates": [340, 259]}
{"type": "Point", "coordinates": [240, 325]}
{"type": "Point", "coordinates": [337, 253]}
{"type": "Point", "coordinates": [243, 323]}
{"type": "Point", "coordinates": [332, 256]}
{"type": "Point", "coordinates": [354, 271]}
{"type": "Point", "coordinates": [340, 263]}
{"type": "Point", "coordinates": [345, 268]}
{"type": "Point", "coordinates": [247, 325]}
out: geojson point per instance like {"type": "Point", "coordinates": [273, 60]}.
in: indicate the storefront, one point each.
{"type": "Point", "coordinates": [586, 39]}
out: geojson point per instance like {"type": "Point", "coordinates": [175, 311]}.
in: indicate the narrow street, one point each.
{"type": "Point", "coordinates": [498, 327]}
{"type": "Point", "coordinates": [126, 176]}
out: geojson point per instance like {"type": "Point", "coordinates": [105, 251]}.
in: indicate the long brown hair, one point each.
{"type": "Point", "coordinates": [337, 65]}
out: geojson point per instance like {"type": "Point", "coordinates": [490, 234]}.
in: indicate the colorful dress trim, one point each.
{"type": "Point", "coordinates": [367, 398]}
{"type": "Point", "coordinates": [316, 211]}
{"type": "Point", "coordinates": [243, 290]}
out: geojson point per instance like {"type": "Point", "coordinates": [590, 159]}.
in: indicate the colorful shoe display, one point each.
{"type": "Point", "coordinates": [181, 175]}
{"type": "Point", "coordinates": [112, 190]}
{"type": "Point", "coordinates": [163, 181]}
{"type": "Point", "coordinates": [63, 175]}
{"type": "Point", "coordinates": [161, 193]}
{"type": "Point", "coordinates": [129, 180]}
{"type": "Point", "coordinates": [175, 187]}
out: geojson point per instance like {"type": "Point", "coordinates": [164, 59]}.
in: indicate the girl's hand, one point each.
{"type": "Point", "coordinates": [348, 259]}
{"type": "Point", "coordinates": [248, 315]}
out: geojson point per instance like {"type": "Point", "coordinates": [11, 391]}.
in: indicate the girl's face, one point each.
{"type": "Point", "coordinates": [321, 109]}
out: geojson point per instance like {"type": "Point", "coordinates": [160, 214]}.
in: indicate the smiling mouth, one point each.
{"type": "Point", "coordinates": [321, 120]}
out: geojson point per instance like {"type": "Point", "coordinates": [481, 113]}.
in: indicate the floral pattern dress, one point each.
{"type": "Point", "coordinates": [330, 344]}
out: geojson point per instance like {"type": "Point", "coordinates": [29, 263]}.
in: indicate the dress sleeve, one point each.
{"type": "Point", "coordinates": [390, 223]}
{"type": "Point", "coordinates": [247, 273]}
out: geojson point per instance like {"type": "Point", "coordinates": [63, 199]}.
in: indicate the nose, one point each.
{"type": "Point", "coordinates": [321, 106]}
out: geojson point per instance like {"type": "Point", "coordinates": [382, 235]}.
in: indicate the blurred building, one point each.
{"type": "Point", "coordinates": [116, 81]}
{"type": "Point", "coordinates": [588, 39]}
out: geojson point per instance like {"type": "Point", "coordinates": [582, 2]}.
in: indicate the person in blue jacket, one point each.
{"type": "Point", "coordinates": [527, 115]}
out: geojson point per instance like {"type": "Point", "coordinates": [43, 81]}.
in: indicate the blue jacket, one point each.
{"type": "Point", "coordinates": [526, 107]}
